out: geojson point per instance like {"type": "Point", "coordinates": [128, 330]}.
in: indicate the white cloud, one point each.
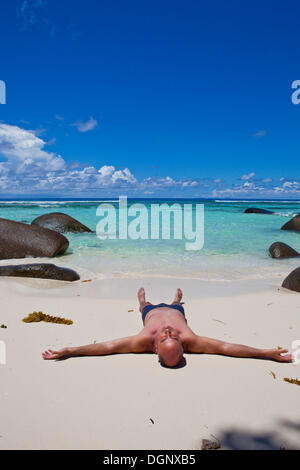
{"type": "Point", "coordinates": [266, 180]}
{"type": "Point", "coordinates": [259, 134]}
{"type": "Point", "coordinates": [106, 170]}
{"type": "Point", "coordinates": [39, 131]}
{"type": "Point", "coordinates": [51, 141]}
{"type": "Point", "coordinates": [30, 169]}
{"type": "Point", "coordinates": [111, 175]}
{"type": "Point", "coordinates": [30, 12]}
{"type": "Point", "coordinates": [251, 190]}
{"type": "Point", "coordinates": [248, 177]}
{"type": "Point", "coordinates": [24, 152]}
{"type": "Point", "coordinates": [89, 125]}
{"type": "Point", "coordinates": [189, 184]}
{"type": "Point", "coordinates": [34, 14]}
{"type": "Point", "coordinates": [159, 182]}
{"type": "Point", "coordinates": [291, 184]}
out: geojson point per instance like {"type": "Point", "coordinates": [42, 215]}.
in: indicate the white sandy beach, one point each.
{"type": "Point", "coordinates": [109, 402]}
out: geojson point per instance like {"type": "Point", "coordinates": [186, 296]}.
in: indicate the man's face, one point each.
{"type": "Point", "coordinates": [167, 334]}
{"type": "Point", "coordinates": [168, 346]}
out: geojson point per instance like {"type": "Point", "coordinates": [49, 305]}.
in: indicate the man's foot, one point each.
{"type": "Point", "coordinates": [141, 296]}
{"type": "Point", "coordinates": [178, 296]}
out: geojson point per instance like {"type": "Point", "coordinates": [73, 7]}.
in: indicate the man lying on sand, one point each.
{"type": "Point", "coordinates": [167, 334]}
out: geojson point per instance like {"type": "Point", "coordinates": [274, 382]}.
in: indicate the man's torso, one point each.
{"type": "Point", "coordinates": [165, 317]}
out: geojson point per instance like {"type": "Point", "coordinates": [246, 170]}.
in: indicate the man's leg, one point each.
{"type": "Point", "coordinates": [178, 297]}
{"type": "Point", "coordinates": [142, 299]}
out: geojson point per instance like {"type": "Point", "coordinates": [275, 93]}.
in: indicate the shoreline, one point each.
{"type": "Point", "coordinates": [121, 269]}
{"type": "Point", "coordinates": [159, 287]}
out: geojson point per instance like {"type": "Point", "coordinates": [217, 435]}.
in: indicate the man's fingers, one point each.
{"type": "Point", "coordinates": [283, 351]}
{"type": "Point", "coordinates": [49, 354]}
{"type": "Point", "coordinates": [287, 358]}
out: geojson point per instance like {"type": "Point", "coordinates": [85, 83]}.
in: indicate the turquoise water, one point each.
{"type": "Point", "coordinates": [235, 244]}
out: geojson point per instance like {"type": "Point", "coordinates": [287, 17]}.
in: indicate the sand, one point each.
{"type": "Point", "coordinates": [129, 401]}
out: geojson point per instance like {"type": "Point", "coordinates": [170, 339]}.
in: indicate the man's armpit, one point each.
{"type": "Point", "coordinates": [195, 345]}
{"type": "Point", "coordinates": [141, 344]}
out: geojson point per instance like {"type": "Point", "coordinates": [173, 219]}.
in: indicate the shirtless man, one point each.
{"type": "Point", "coordinates": [167, 334]}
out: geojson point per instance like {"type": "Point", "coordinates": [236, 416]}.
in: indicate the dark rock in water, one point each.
{"type": "Point", "coordinates": [292, 281]}
{"type": "Point", "coordinates": [280, 250]}
{"type": "Point", "coordinates": [19, 240]}
{"type": "Point", "coordinates": [293, 224]}
{"type": "Point", "coordinates": [60, 223]}
{"type": "Point", "coordinates": [255, 210]}
{"type": "Point", "coordinates": [41, 271]}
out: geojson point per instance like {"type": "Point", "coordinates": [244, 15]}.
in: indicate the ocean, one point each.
{"type": "Point", "coordinates": [235, 244]}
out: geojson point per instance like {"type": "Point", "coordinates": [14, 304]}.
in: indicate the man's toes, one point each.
{"type": "Point", "coordinates": [141, 294]}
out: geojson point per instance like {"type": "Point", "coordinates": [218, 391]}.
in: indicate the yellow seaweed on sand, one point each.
{"type": "Point", "coordinates": [40, 316]}
{"type": "Point", "coordinates": [292, 381]}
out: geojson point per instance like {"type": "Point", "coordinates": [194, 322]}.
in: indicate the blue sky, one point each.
{"type": "Point", "coordinates": [166, 98]}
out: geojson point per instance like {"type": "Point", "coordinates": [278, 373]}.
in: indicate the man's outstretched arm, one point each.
{"type": "Point", "coordinates": [201, 344]}
{"type": "Point", "coordinates": [130, 344]}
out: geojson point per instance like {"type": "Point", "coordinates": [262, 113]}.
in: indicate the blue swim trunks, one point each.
{"type": "Point", "coordinates": [148, 309]}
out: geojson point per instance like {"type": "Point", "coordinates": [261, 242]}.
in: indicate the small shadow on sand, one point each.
{"type": "Point", "coordinates": [180, 365]}
{"type": "Point", "coordinates": [241, 439]}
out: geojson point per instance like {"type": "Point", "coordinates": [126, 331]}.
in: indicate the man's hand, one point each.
{"type": "Point", "coordinates": [50, 354]}
{"type": "Point", "coordinates": [130, 344]}
{"type": "Point", "coordinates": [201, 344]}
{"type": "Point", "coordinates": [275, 354]}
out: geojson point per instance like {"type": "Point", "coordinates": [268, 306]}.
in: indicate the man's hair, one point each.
{"type": "Point", "coordinates": [179, 365]}
{"type": "Point", "coordinates": [170, 356]}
